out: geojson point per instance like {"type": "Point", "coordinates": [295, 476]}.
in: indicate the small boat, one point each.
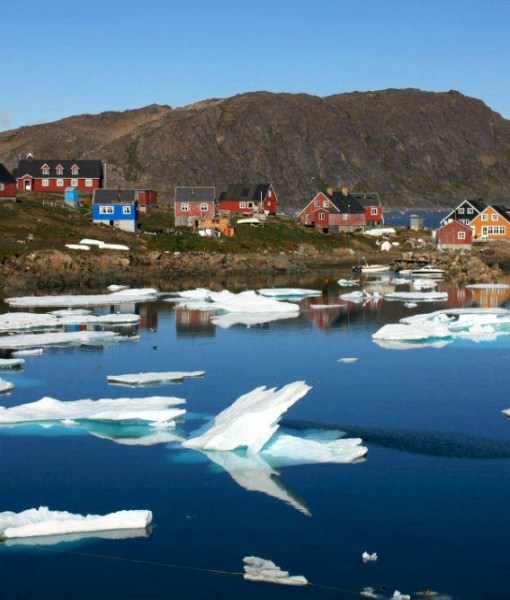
{"type": "Point", "coordinates": [428, 271]}
{"type": "Point", "coordinates": [367, 269]}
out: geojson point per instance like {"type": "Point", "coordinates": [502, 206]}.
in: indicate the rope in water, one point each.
{"type": "Point", "coordinates": [156, 563]}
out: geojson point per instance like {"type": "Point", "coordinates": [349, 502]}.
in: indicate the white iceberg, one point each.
{"type": "Point", "coordinates": [348, 282]}
{"type": "Point", "coordinates": [29, 352]}
{"type": "Point", "coordinates": [36, 522]}
{"type": "Point", "coordinates": [260, 569]}
{"type": "Point", "coordinates": [398, 596]}
{"type": "Point", "coordinates": [151, 378]}
{"type": "Point", "coordinates": [417, 296]}
{"type": "Point", "coordinates": [67, 338]}
{"type": "Point", "coordinates": [360, 296]}
{"type": "Point", "coordinates": [410, 304]}
{"type": "Point", "coordinates": [367, 557]}
{"type": "Point", "coordinates": [18, 321]}
{"type": "Point", "coordinates": [288, 292]}
{"type": "Point", "coordinates": [348, 360]}
{"type": "Point", "coordinates": [5, 386]}
{"type": "Point", "coordinates": [53, 540]}
{"type": "Point", "coordinates": [117, 288]}
{"type": "Point", "coordinates": [368, 592]}
{"type": "Point", "coordinates": [251, 420]}
{"type": "Point", "coordinates": [129, 295]}
{"type": "Point", "coordinates": [11, 363]}
{"type": "Point", "coordinates": [424, 284]}
{"type": "Point", "coordinates": [161, 410]}
{"type": "Point", "coordinates": [243, 302]}
{"type": "Point", "coordinates": [67, 312]}
{"type": "Point", "coordinates": [227, 320]}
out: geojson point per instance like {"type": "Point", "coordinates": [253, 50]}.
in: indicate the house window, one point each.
{"type": "Point", "coordinates": [322, 216]}
{"type": "Point", "coordinates": [60, 183]}
{"type": "Point", "coordinates": [461, 211]}
{"type": "Point", "coordinates": [373, 210]}
{"type": "Point", "coordinates": [88, 182]}
{"type": "Point", "coordinates": [74, 182]}
{"type": "Point", "coordinates": [184, 206]}
{"type": "Point", "coordinates": [204, 206]}
{"type": "Point", "coordinates": [325, 203]}
{"type": "Point", "coordinates": [75, 169]}
{"type": "Point", "coordinates": [45, 170]}
{"type": "Point", "coordinates": [345, 216]}
{"type": "Point", "coordinates": [106, 210]}
{"type": "Point", "coordinates": [317, 203]}
{"type": "Point", "coordinates": [45, 182]}
{"type": "Point", "coordinates": [461, 235]}
{"type": "Point", "coordinates": [59, 170]}
{"type": "Point", "coordinates": [126, 210]}
{"type": "Point", "coordinates": [242, 204]}
{"type": "Point", "coordinates": [2, 187]}
{"type": "Point", "coordinates": [469, 210]}
{"type": "Point", "coordinates": [485, 217]}
{"type": "Point", "coordinates": [494, 216]}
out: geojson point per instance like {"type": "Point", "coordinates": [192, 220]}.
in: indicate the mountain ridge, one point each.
{"type": "Point", "coordinates": [413, 147]}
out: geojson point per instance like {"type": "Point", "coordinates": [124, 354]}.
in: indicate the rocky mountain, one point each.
{"type": "Point", "coordinates": [413, 147]}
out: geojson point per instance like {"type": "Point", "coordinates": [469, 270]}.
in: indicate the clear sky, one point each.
{"type": "Point", "coordinates": [61, 58]}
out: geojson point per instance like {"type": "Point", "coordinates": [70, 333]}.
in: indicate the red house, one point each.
{"type": "Point", "coordinates": [43, 175]}
{"type": "Point", "coordinates": [193, 203]}
{"type": "Point", "coordinates": [454, 235]}
{"type": "Point", "coordinates": [144, 199]}
{"type": "Point", "coordinates": [332, 212]}
{"type": "Point", "coordinates": [374, 211]}
{"type": "Point", "coordinates": [7, 184]}
{"type": "Point", "coordinates": [246, 199]}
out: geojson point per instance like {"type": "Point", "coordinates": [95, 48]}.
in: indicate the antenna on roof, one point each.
{"type": "Point", "coordinates": [29, 155]}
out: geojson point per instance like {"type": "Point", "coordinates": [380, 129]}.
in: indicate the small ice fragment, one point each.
{"type": "Point", "coordinates": [288, 292]}
{"type": "Point", "coordinates": [347, 282]}
{"type": "Point", "coordinates": [5, 386]}
{"type": "Point", "coordinates": [28, 352]}
{"type": "Point", "coordinates": [398, 596]}
{"type": "Point", "coordinates": [347, 360]}
{"type": "Point", "coordinates": [368, 592]}
{"type": "Point", "coordinates": [410, 304]}
{"type": "Point", "coordinates": [11, 363]}
{"type": "Point", "coordinates": [117, 288]}
{"type": "Point", "coordinates": [366, 557]}
{"type": "Point", "coordinates": [151, 378]}
{"type": "Point", "coordinates": [260, 569]}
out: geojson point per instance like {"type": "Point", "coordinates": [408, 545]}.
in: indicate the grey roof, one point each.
{"type": "Point", "coordinates": [345, 204]}
{"type": "Point", "coordinates": [110, 196]}
{"type": "Point", "coordinates": [241, 191]}
{"type": "Point", "coordinates": [367, 199]}
{"type": "Point", "coordinates": [5, 175]}
{"type": "Point", "coordinates": [90, 169]}
{"type": "Point", "coordinates": [200, 193]}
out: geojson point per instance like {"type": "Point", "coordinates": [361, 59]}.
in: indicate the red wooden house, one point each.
{"type": "Point", "coordinates": [246, 199]}
{"type": "Point", "coordinates": [193, 203]}
{"type": "Point", "coordinates": [55, 175]}
{"type": "Point", "coordinates": [332, 212]}
{"type": "Point", "coordinates": [454, 235]}
{"type": "Point", "coordinates": [7, 184]}
{"type": "Point", "coordinates": [374, 211]}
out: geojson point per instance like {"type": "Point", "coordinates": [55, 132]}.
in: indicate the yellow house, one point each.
{"type": "Point", "coordinates": [493, 223]}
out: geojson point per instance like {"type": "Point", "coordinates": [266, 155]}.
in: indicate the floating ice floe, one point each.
{"type": "Point", "coordinates": [68, 338]}
{"type": "Point", "coordinates": [19, 321]}
{"type": "Point", "coordinates": [348, 282]}
{"type": "Point", "coordinates": [38, 522]}
{"type": "Point", "coordinates": [157, 410]}
{"type": "Point", "coordinates": [288, 292]}
{"type": "Point", "coordinates": [367, 557]}
{"type": "Point", "coordinates": [11, 363]}
{"type": "Point", "coordinates": [411, 345]}
{"type": "Point", "coordinates": [417, 296]}
{"type": "Point", "coordinates": [31, 352]}
{"type": "Point", "coordinates": [250, 320]}
{"type": "Point", "coordinates": [360, 296]}
{"type": "Point", "coordinates": [347, 360]}
{"type": "Point", "coordinates": [326, 306]}
{"type": "Point", "coordinates": [410, 304]}
{"type": "Point", "coordinates": [424, 284]}
{"type": "Point", "coordinates": [368, 592]}
{"type": "Point", "coordinates": [129, 295]}
{"type": "Point", "coordinates": [251, 420]}
{"type": "Point", "coordinates": [117, 288]}
{"type": "Point", "coordinates": [244, 302]}
{"type": "Point", "coordinates": [152, 378]}
{"type": "Point", "coordinates": [399, 596]}
{"type": "Point", "coordinates": [5, 386]}
{"type": "Point", "coordinates": [66, 312]}
{"type": "Point", "coordinates": [506, 412]}
{"type": "Point", "coordinates": [261, 569]}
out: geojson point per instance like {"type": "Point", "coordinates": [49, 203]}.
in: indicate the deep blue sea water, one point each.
{"type": "Point", "coordinates": [431, 498]}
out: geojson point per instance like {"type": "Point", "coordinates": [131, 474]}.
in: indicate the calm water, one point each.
{"type": "Point", "coordinates": [431, 499]}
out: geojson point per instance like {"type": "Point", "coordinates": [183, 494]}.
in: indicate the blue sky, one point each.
{"type": "Point", "coordinates": [62, 58]}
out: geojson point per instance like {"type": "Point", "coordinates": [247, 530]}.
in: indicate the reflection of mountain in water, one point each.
{"type": "Point", "coordinates": [430, 443]}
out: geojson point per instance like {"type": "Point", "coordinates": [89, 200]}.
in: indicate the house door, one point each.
{"type": "Point", "coordinates": [28, 185]}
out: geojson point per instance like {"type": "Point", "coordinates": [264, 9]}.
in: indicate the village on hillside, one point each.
{"type": "Point", "coordinates": [210, 213]}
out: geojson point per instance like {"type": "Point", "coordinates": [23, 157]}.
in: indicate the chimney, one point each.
{"type": "Point", "coordinates": [345, 191]}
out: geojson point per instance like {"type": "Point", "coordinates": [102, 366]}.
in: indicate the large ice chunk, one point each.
{"type": "Point", "coordinates": [261, 569]}
{"type": "Point", "coordinates": [43, 522]}
{"type": "Point", "coordinates": [5, 386]}
{"type": "Point", "coordinates": [67, 338]}
{"type": "Point", "coordinates": [250, 319]}
{"type": "Point", "coordinates": [153, 378]}
{"type": "Point", "coordinates": [244, 302]}
{"type": "Point", "coordinates": [251, 420]}
{"type": "Point", "coordinates": [154, 409]}
{"type": "Point", "coordinates": [11, 363]}
{"type": "Point", "coordinates": [122, 296]}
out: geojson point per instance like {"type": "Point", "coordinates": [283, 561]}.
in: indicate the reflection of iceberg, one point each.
{"type": "Point", "coordinates": [251, 420]}
{"type": "Point", "coordinates": [37, 522]}
{"type": "Point", "coordinates": [129, 295]}
{"type": "Point", "coordinates": [250, 319]}
{"type": "Point", "coordinates": [253, 473]}
{"type": "Point", "coordinates": [160, 410]}
{"type": "Point", "coordinates": [66, 538]}
{"type": "Point", "coordinates": [260, 569]}
{"type": "Point", "coordinates": [152, 378]}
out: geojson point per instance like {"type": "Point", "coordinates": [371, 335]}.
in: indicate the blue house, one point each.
{"type": "Point", "coordinates": [115, 208]}
{"type": "Point", "coordinates": [72, 196]}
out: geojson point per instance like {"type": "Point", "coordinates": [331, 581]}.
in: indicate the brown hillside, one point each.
{"type": "Point", "coordinates": [409, 145]}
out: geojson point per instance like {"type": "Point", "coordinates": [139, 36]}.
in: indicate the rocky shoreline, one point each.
{"type": "Point", "coordinates": [56, 270]}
